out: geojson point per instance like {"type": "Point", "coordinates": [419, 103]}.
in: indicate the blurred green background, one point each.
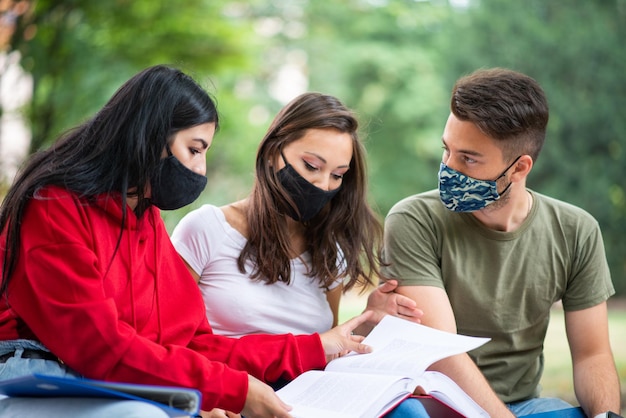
{"type": "Point", "coordinates": [392, 61]}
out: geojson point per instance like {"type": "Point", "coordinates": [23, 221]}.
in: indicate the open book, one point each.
{"type": "Point", "coordinates": [370, 385]}
{"type": "Point", "coordinates": [175, 401]}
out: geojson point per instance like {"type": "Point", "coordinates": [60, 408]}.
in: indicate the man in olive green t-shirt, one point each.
{"type": "Point", "coordinates": [485, 256]}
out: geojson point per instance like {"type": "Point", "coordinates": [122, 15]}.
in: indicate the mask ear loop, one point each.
{"type": "Point", "coordinates": [508, 168]}
{"type": "Point", "coordinates": [503, 173]}
{"type": "Point", "coordinates": [288, 165]}
{"type": "Point", "coordinates": [284, 159]}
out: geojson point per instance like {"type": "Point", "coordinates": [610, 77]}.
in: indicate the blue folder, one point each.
{"type": "Point", "coordinates": [175, 401]}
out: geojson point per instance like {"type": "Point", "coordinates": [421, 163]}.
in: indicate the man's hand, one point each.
{"type": "Point", "coordinates": [384, 301]}
{"type": "Point", "coordinates": [262, 402]}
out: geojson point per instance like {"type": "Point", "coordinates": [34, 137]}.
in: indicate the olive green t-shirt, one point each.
{"type": "Point", "coordinates": [501, 284]}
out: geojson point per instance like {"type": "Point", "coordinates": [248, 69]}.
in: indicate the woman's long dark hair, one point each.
{"type": "Point", "coordinates": [345, 231]}
{"type": "Point", "coordinates": [115, 151]}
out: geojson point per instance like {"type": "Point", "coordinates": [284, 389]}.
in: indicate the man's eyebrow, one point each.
{"type": "Point", "coordinates": [463, 151]}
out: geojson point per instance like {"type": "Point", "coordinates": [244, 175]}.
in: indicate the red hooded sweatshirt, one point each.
{"type": "Point", "coordinates": [121, 306]}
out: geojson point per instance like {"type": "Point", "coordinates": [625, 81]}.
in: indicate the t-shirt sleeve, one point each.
{"type": "Point", "coordinates": [589, 282]}
{"type": "Point", "coordinates": [411, 246]}
{"type": "Point", "coordinates": [192, 237]}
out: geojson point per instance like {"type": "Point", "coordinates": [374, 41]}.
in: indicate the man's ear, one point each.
{"type": "Point", "coordinates": [522, 167]}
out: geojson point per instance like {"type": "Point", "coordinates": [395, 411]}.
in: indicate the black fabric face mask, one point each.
{"type": "Point", "coordinates": [309, 198]}
{"type": "Point", "coordinates": [174, 185]}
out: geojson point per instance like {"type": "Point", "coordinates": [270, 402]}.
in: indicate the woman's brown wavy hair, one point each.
{"type": "Point", "coordinates": [346, 231]}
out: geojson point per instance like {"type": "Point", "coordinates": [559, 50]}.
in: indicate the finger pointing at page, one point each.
{"type": "Point", "coordinates": [340, 338]}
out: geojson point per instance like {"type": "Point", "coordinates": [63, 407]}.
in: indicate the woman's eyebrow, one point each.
{"type": "Point", "coordinates": [324, 160]}
{"type": "Point", "coordinates": [202, 142]}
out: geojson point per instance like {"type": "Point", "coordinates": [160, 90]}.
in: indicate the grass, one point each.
{"type": "Point", "coordinates": [557, 376]}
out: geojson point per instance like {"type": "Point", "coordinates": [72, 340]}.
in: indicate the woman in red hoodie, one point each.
{"type": "Point", "coordinates": [91, 284]}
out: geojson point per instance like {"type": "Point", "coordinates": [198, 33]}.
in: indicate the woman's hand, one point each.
{"type": "Point", "coordinates": [262, 402]}
{"type": "Point", "coordinates": [341, 340]}
{"type": "Point", "coordinates": [218, 413]}
{"type": "Point", "coordinates": [385, 301]}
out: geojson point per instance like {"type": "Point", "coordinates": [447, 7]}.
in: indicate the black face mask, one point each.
{"type": "Point", "coordinates": [308, 198]}
{"type": "Point", "coordinates": [174, 185]}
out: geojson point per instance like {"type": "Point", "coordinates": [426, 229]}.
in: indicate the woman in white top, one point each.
{"type": "Point", "coordinates": [278, 261]}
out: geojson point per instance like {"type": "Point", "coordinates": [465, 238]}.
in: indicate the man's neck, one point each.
{"type": "Point", "coordinates": [510, 212]}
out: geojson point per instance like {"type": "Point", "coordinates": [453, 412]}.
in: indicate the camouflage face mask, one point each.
{"type": "Point", "coordinates": [461, 193]}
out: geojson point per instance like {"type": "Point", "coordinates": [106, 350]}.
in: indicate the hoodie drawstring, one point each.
{"type": "Point", "coordinates": [130, 277]}
{"type": "Point", "coordinates": [156, 278]}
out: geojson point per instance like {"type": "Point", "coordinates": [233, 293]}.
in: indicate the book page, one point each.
{"type": "Point", "coordinates": [405, 348]}
{"type": "Point", "coordinates": [329, 394]}
{"type": "Point", "coordinates": [440, 386]}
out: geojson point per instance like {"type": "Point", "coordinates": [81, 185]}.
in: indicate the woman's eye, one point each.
{"type": "Point", "coordinates": [194, 151]}
{"type": "Point", "coordinates": [338, 176]}
{"type": "Point", "coordinates": [309, 166]}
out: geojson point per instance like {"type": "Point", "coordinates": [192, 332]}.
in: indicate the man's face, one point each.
{"type": "Point", "coordinates": [471, 152]}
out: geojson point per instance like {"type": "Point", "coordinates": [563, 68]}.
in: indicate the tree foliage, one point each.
{"type": "Point", "coordinates": [385, 68]}
{"type": "Point", "coordinates": [392, 61]}
{"type": "Point", "coordinates": [397, 62]}
{"type": "Point", "coordinates": [575, 49]}
{"type": "Point", "coordinates": [80, 51]}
